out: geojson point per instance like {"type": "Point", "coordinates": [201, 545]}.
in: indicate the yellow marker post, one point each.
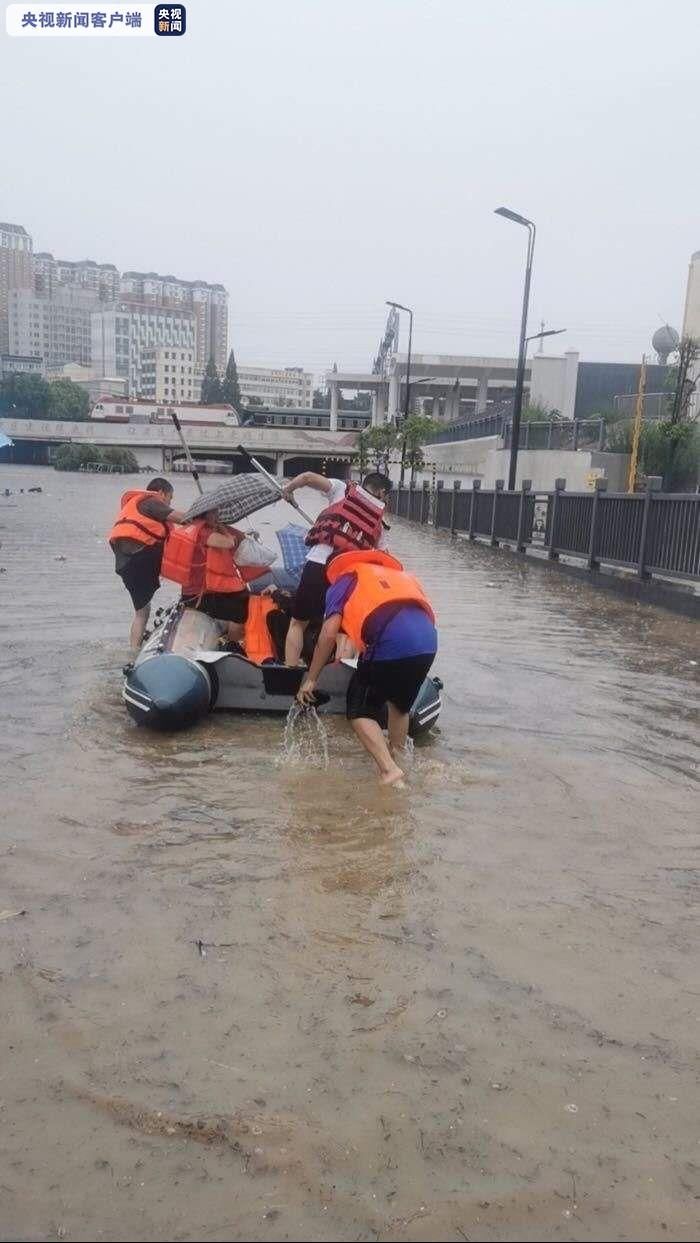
{"type": "Point", "coordinates": [638, 415]}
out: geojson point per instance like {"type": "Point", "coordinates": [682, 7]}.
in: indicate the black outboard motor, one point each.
{"type": "Point", "coordinates": [167, 692]}
{"type": "Point", "coordinates": [426, 708]}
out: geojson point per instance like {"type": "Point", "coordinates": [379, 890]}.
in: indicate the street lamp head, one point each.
{"type": "Point", "coordinates": [398, 306]}
{"type": "Point", "coordinates": [513, 215]}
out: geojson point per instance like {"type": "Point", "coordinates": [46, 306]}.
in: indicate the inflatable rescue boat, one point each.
{"type": "Point", "coordinates": [182, 673]}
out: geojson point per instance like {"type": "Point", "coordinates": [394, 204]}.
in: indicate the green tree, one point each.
{"type": "Point", "coordinates": [211, 385]}
{"type": "Point", "coordinates": [321, 400]}
{"type": "Point", "coordinates": [24, 396]}
{"type": "Point", "coordinates": [668, 449]}
{"type": "Point", "coordinates": [378, 443]}
{"type": "Point", "coordinates": [67, 401]}
{"type": "Point", "coordinates": [415, 432]}
{"type": "Point", "coordinates": [230, 388]}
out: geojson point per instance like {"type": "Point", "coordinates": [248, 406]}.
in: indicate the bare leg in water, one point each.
{"type": "Point", "coordinates": [294, 642]}
{"type": "Point", "coordinates": [138, 626]}
{"type": "Point", "coordinates": [374, 742]}
{"type": "Point", "coordinates": [398, 731]}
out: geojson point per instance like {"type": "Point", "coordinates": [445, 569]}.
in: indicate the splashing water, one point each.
{"type": "Point", "coordinates": [305, 738]}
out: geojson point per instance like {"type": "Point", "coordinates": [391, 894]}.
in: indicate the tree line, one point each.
{"type": "Point", "coordinates": [31, 397]}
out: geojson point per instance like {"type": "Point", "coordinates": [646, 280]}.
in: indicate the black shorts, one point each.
{"type": "Point", "coordinates": [141, 575]}
{"type": "Point", "coordinates": [227, 606]}
{"type": "Point", "coordinates": [309, 602]}
{"type": "Point", "coordinates": [379, 682]}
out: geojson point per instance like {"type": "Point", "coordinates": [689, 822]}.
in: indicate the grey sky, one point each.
{"type": "Point", "coordinates": [318, 157]}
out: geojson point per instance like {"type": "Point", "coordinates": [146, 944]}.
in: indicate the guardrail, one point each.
{"type": "Point", "coordinates": [653, 533]}
{"type": "Point", "coordinates": [544, 434]}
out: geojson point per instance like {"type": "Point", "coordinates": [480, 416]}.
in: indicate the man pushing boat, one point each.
{"type": "Point", "coordinates": [386, 614]}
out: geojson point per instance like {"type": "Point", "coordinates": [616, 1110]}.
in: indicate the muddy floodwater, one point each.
{"type": "Point", "coordinates": [249, 999]}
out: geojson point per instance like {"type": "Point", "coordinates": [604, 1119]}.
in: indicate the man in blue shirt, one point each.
{"type": "Point", "coordinates": [399, 642]}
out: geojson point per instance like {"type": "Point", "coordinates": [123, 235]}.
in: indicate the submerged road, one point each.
{"type": "Point", "coordinates": [250, 999]}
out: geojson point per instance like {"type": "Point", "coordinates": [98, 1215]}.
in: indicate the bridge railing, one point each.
{"type": "Point", "coordinates": [653, 533]}
{"type": "Point", "coordinates": [540, 434]}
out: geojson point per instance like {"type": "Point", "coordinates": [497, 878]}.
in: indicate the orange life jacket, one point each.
{"type": "Point", "coordinates": [198, 569]}
{"type": "Point", "coordinates": [380, 579]}
{"type": "Point", "coordinates": [134, 525]}
{"type": "Point", "coordinates": [256, 639]}
{"type": "Point", "coordinates": [354, 522]}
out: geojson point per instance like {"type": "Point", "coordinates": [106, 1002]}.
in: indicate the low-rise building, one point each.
{"type": "Point", "coordinates": [20, 364]}
{"type": "Point", "coordinates": [87, 378]}
{"type": "Point", "coordinates": [277, 386]}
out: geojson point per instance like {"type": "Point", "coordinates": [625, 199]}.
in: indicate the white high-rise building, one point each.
{"type": "Point", "coordinates": [15, 273]}
{"type": "Point", "coordinates": [277, 386]}
{"type": "Point", "coordinates": [208, 303]}
{"type": "Point", "coordinates": [57, 329]}
{"type": "Point", "coordinates": [125, 336]}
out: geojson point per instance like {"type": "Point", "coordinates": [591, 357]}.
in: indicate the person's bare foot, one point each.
{"type": "Point", "coordinates": [394, 777]}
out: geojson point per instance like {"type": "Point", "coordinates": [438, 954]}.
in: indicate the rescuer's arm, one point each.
{"type": "Point", "coordinates": [222, 538]}
{"type": "Point", "coordinates": [308, 479]}
{"type": "Point", "coordinates": [322, 654]}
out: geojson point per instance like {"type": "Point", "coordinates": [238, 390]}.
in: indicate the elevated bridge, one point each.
{"type": "Point", "coordinates": [283, 450]}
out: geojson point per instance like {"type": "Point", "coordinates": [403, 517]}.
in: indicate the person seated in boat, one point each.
{"type": "Point", "coordinates": [352, 519]}
{"type": "Point", "coordinates": [137, 539]}
{"type": "Point", "coordinates": [386, 614]}
{"type": "Point", "coordinates": [267, 626]}
{"type": "Point", "coordinates": [200, 557]}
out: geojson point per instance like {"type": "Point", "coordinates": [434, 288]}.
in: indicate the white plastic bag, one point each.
{"type": "Point", "coordinates": [251, 551]}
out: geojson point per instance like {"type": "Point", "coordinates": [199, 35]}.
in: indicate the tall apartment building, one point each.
{"type": "Point", "coordinates": [277, 386]}
{"type": "Point", "coordinates": [15, 273]}
{"type": "Point", "coordinates": [51, 275]}
{"type": "Point", "coordinates": [57, 329]}
{"type": "Point", "coordinates": [52, 280]}
{"type": "Point", "coordinates": [169, 374]}
{"type": "Point", "coordinates": [125, 336]}
{"type": "Point", "coordinates": [208, 303]}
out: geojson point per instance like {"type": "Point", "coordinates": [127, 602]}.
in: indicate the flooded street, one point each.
{"type": "Point", "coordinates": [252, 1000]}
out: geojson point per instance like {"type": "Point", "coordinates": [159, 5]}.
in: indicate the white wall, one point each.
{"type": "Point", "coordinates": [553, 381]}
{"type": "Point", "coordinates": [543, 466]}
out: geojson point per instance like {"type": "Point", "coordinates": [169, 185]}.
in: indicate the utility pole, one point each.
{"type": "Point", "coordinates": [541, 349]}
{"type": "Point", "coordinates": [638, 419]}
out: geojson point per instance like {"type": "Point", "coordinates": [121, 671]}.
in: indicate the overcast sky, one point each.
{"type": "Point", "coordinates": [320, 156]}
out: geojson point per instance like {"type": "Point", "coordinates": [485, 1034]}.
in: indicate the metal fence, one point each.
{"type": "Point", "coordinates": [547, 434]}
{"type": "Point", "coordinates": [652, 532]}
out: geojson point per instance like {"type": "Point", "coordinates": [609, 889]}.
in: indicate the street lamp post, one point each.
{"type": "Point", "coordinates": [520, 376]}
{"type": "Point", "coordinates": [399, 307]}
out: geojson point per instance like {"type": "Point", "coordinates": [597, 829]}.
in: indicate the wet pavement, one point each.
{"type": "Point", "coordinates": [251, 999]}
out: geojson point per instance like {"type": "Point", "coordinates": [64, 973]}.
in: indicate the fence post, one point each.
{"type": "Point", "coordinates": [574, 441]}
{"type": "Point", "coordinates": [425, 509]}
{"type": "Point", "coordinates": [500, 483]}
{"type": "Point", "coordinates": [549, 434]}
{"type": "Point", "coordinates": [455, 489]}
{"type": "Point", "coordinates": [601, 434]}
{"type": "Point", "coordinates": [653, 485]}
{"type": "Point", "coordinates": [439, 486]}
{"type": "Point", "coordinates": [525, 488]}
{"type": "Point", "coordinates": [476, 485]}
{"type": "Point", "coordinates": [559, 487]}
{"type": "Point", "coordinates": [593, 562]}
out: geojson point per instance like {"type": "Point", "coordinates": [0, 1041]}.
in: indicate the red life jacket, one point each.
{"type": "Point", "coordinates": [131, 524]}
{"type": "Point", "coordinates": [198, 569]}
{"type": "Point", "coordinates": [355, 522]}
